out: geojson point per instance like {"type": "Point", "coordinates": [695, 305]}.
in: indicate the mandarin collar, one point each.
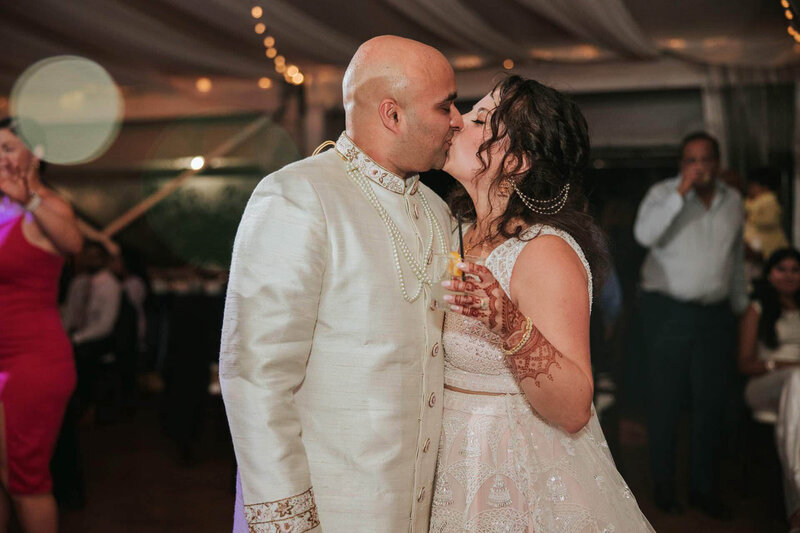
{"type": "Point", "coordinates": [372, 170]}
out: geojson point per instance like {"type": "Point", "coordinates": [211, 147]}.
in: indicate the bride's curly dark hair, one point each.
{"type": "Point", "coordinates": [545, 144]}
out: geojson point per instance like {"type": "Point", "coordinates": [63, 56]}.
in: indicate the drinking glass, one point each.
{"type": "Point", "coordinates": [444, 268]}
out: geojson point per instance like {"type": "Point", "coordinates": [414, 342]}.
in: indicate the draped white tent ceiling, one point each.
{"type": "Point", "coordinates": [156, 49]}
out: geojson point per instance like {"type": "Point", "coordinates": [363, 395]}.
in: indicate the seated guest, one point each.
{"type": "Point", "coordinates": [769, 352]}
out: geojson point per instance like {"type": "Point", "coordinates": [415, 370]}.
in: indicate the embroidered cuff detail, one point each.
{"type": "Point", "coordinates": [295, 514]}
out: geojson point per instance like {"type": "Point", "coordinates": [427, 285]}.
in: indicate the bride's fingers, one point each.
{"type": "Point", "coordinates": [464, 300]}
{"type": "Point", "coordinates": [467, 311]}
{"type": "Point", "coordinates": [459, 286]}
{"type": "Point", "coordinates": [479, 271]}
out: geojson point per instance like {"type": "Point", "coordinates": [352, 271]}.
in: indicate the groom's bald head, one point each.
{"type": "Point", "coordinates": [398, 96]}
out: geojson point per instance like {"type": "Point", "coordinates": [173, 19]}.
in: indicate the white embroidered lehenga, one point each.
{"type": "Point", "coordinates": [501, 467]}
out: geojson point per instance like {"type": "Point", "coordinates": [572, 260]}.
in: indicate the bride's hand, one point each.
{"type": "Point", "coordinates": [483, 299]}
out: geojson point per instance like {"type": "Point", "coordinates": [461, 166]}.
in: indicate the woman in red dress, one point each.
{"type": "Point", "coordinates": [37, 229]}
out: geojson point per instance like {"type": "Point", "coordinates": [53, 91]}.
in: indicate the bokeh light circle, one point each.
{"type": "Point", "coordinates": [68, 108]}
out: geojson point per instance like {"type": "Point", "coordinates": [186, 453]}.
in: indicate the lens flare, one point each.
{"type": "Point", "coordinates": [67, 106]}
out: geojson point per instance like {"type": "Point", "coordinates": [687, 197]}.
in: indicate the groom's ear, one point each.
{"type": "Point", "coordinates": [389, 112]}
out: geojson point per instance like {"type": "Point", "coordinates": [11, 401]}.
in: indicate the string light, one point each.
{"type": "Point", "coordinates": [676, 44]}
{"type": "Point", "coordinates": [203, 85]}
{"type": "Point", "coordinates": [508, 64]}
{"type": "Point", "coordinates": [467, 62]}
{"type": "Point", "coordinates": [789, 13]}
{"type": "Point", "coordinates": [292, 73]}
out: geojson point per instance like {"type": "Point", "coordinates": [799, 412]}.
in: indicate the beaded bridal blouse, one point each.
{"type": "Point", "coordinates": [503, 468]}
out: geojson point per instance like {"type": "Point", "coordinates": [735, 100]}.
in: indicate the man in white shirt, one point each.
{"type": "Point", "coordinates": [692, 284]}
{"type": "Point", "coordinates": [331, 366]}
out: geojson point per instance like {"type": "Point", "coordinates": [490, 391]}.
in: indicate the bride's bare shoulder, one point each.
{"type": "Point", "coordinates": [549, 263]}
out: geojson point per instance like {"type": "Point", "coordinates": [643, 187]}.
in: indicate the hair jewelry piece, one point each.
{"type": "Point", "coordinates": [550, 206]}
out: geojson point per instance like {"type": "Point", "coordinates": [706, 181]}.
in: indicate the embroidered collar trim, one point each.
{"type": "Point", "coordinates": [372, 170]}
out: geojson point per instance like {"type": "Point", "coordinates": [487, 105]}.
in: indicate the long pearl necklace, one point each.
{"type": "Point", "coordinates": [396, 238]}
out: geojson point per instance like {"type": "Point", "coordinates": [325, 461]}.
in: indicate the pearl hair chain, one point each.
{"type": "Point", "coordinates": [551, 206]}
{"type": "Point", "coordinates": [396, 238]}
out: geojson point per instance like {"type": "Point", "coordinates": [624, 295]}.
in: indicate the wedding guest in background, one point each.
{"type": "Point", "coordinates": [693, 284]}
{"type": "Point", "coordinates": [37, 229]}
{"type": "Point", "coordinates": [769, 352]}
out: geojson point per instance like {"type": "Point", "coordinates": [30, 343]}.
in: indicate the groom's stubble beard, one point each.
{"type": "Point", "coordinates": [438, 153]}
{"type": "Point", "coordinates": [427, 147]}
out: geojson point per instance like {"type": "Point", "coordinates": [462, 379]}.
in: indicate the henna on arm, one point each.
{"type": "Point", "coordinates": [535, 358]}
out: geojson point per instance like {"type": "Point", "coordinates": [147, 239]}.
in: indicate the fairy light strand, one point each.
{"type": "Point", "coordinates": [291, 73]}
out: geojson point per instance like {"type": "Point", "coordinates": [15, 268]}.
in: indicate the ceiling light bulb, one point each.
{"type": "Point", "coordinates": [203, 85]}
{"type": "Point", "coordinates": [197, 162]}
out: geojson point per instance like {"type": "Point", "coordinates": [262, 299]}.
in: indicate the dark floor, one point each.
{"type": "Point", "coordinates": [138, 482]}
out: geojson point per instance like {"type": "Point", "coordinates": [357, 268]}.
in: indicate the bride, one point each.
{"type": "Point", "coordinates": [522, 449]}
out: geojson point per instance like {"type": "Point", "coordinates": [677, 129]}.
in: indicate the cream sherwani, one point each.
{"type": "Point", "coordinates": [332, 382]}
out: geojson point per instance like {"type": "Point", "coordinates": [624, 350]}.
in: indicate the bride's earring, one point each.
{"type": "Point", "coordinates": [505, 188]}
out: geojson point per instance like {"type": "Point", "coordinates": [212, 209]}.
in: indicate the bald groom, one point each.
{"type": "Point", "coordinates": [330, 365]}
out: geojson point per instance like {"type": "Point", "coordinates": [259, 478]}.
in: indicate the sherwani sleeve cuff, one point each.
{"type": "Point", "coordinates": [296, 514]}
